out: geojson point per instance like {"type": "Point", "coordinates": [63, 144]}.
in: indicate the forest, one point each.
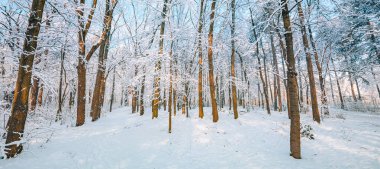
{"type": "Point", "coordinates": [189, 84]}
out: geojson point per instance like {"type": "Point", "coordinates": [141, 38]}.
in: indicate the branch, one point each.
{"type": "Point", "coordinates": [89, 20]}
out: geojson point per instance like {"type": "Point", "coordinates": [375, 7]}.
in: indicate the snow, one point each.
{"type": "Point", "coordinates": [256, 140]}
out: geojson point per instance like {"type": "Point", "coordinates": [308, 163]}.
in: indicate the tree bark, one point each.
{"type": "Point", "coordinates": [134, 94]}
{"type": "Point", "coordinates": [142, 94]}
{"type": "Point", "coordinates": [81, 68]}
{"type": "Point", "coordinates": [40, 94]}
{"type": "Point", "coordinates": [215, 116]}
{"type": "Point", "coordinates": [337, 82]}
{"type": "Point", "coordinates": [313, 91]}
{"type": "Point", "coordinates": [324, 101]}
{"type": "Point", "coordinates": [352, 87]}
{"type": "Point", "coordinates": [34, 93]}
{"type": "Point", "coordinates": [283, 53]}
{"type": "Point", "coordinates": [276, 81]}
{"type": "Point", "coordinates": [331, 86]}
{"type": "Point", "coordinates": [100, 82]}
{"type": "Point", "coordinates": [200, 69]}
{"type": "Point", "coordinates": [259, 63]}
{"type": "Point", "coordinates": [16, 122]}
{"type": "Point", "coordinates": [157, 78]}
{"type": "Point", "coordinates": [295, 135]}
{"type": "Point", "coordinates": [60, 97]}
{"type": "Point", "coordinates": [358, 89]}
{"type": "Point", "coordinates": [300, 84]}
{"type": "Point", "coordinates": [233, 76]}
{"type": "Point", "coordinates": [113, 89]}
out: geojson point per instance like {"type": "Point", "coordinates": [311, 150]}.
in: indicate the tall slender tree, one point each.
{"type": "Point", "coordinates": [233, 76]}
{"type": "Point", "coordinates": [215, 116]}
{"type": "Point", "coordinates": [295, 135]}
{"type": "Point", "coordinates": [313, 91]}
{"type": "Point", "coordinates": [262, 76]}
{"type": "Point", "coordinates": [276, 80]}
{"type": "Point", "coordinates": [200, 57]}
{"type": "Point", "coordinates": [156, 96]}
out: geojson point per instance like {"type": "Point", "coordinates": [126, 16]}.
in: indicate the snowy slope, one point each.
{"type": "Point", "coordinates": [256, 140]}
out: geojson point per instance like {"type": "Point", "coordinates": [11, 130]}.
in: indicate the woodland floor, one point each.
{"type": "Point", "coordinates": [256, 140]}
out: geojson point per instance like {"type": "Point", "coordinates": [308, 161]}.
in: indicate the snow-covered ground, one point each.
{"type": "Point", "coordinates": [256, 140]}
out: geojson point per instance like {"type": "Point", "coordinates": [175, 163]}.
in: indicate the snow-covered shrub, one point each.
{"type": "Point", "coordinates": [242, 111]}
{"type": "Point", "coordinates": [362, 106]}
{"type": "Point", "coordinates": [340, 116]}
{"type": "Point", "coordinates": [307, 131]}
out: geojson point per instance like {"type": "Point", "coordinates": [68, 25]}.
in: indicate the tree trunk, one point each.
{"type": "Point", "coordinates": [95, 106]}
{"type": "Point", "coordinates": [170, 108]}
{"type": "Point", "coordinates": [84, 26]}
{"type": "Point", "coordinates": [324, 101]}
{"type": "Point", "coordinates": [313, 91]}
{"type": "Point", "coordinates": [170, 104]}
{"type": "Point", "coordinates": [164, 102]}
{"type": "Point", "coordinates": [16, 122]}
{"type": "Point", "coordinates": [245, 100]}
{"type": "Point", "coordinates": [156, 96]}
{"type": "Point", "coordinates": [174, 101]}
{"type": "Point", "coordinates": [307, 95]}
{"type": "Point", "coordinates": [283, 53]}
{"type": "Point", "coordinates": [113, 89]}
{"type": "Point", "coordinates": [222, 93]}
{"type": "Point", "coordinates": [300, 84]}
{"type": "Point", "coordinates": [267, 82]}
{"type": "Point", "coordinates": [142, 94]}
{"type": "Point", "coordinates": [276, 80]}
{"type": "Point", "coordinates": [259, 62]}
{"type": "Point", "coordinates": [187, 99]}
{"type": "Point", "coordinates": [352, 87]}
{"type": "Point", "coordinates": [98, 94]}
{"type": "Point", "coordinates": [233, 76]}
{"type": "Point", "coordinates": [358, 89]}
{"type": "Point", "coordinates": [229, 96]}
{"type": "Point", "coordinates": [337, 82]}
{"type": "Point", "coordinates": [40, 94]}
{"type": "Point", "coordinates": [122, 97]}
{"type": "Point", "coordinates": [81, 68]}
{"type": "Point", "coordinates": [34, 93]}
{"type": "Point", "coordinates": [215, 116]}
{"type": "Point", "coordinates": [377, 85]}
{"type": "Point", "coordinates": [72, 97]}
{"type": "Point", "coordinates": [331, 86]}
{"type": "Point", "coordinates": [259, 94]}
{"type": "Point", "coordinates": [134, 94]}
{"type": "Point", "coordinates": [295, 135]}
{"type": "Point", "coordinates": [60, 98]}
{"type": "Point", "coordinates": [217, 88]}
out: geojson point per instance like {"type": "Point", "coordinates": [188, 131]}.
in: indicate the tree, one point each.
{"type": "Point", "coordinates": [233, 76]}
{"type": "Point", "coordinates": [295, 135]}
{"type": "Point", "coordinates": [215, 116]}
{"type": "Point", "coordinates": [262, 77]}
{"type": "Point", "coordinates": [84, 26]}
{"type": "Point", "coordinates": [276, 80]}
{"type": "Point", "coordinates": [100, 82]}
{"type": "Point", "coordinates": [16, 122]}
{"type": "Point", "coordinates": [200, 55]}
{"type": "Point", "coordinates": [313, 91]}
{"type": "Point", "coordinates": [156, 96]}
